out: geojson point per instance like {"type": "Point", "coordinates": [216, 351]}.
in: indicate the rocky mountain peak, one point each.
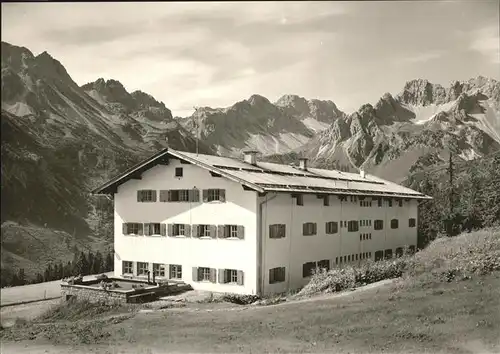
{"type": "Point", "coordinates": [422, 92]}
{"type": "Point", "coordinates": [295, 101]}
{"type": "Point", "coordinates": [257, 100]}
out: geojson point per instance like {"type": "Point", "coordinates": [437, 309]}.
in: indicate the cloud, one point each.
{"type": "Point", "coordinates": [422, 57]}
{"type": "Point", "coordinates": [487, 42]}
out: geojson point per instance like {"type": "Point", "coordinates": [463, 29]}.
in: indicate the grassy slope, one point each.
{"type": "Point", "coordinates": [421, 312]}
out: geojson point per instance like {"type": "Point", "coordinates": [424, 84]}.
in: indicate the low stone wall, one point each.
{"type": "Point", "coordinates": [95, 295]}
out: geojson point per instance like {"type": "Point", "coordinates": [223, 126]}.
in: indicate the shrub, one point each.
{"type": "Point", "coordinates": [446, 259]}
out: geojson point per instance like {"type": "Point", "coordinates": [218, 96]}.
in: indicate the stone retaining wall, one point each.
{"type": "Point", "coordinates": [95, 295]}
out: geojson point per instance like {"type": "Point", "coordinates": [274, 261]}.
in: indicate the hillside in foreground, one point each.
{"type": "Point", "coordinates": [448, 301]}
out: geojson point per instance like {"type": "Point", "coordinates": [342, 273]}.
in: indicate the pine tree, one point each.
{"type": "Point", "coordinates": [82, 265]}
{"type": "Point", "coordinates": [98, 266]}
{"type": "Point", "coordinates": [109, 265]}
{"type": "Point", "coordinates": [21, 277]}
{"type": "Point", "coordinates": [39, 278]}
{"type": "Point", "coordinates": [90, 259]}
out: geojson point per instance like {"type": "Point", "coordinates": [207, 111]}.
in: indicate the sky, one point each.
{"type": "Point", "coordinates": [215, 54]}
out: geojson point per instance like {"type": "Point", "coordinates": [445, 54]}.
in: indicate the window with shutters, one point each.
{"type": "Point", "coordinates": [299, 199]}
{"type": "Point", "coordinates": [388, 253]}
{"type": "Point", "coordinates": [146, 195]}
{"type": "Point", "coordinates": [353, 226]}
{"type": "Point", "coordinates": [179, 230]}
{"type": "Point", "coordinates": [175, 271]}
{"type": "Point", "coordinates": [399, 251]}
{"type": "Point", "coordinates": [204, 273]}
{"type": "Point", "coordinates": [332, 227]}
{"type": "Point", "coordinates": [326, 200]}
{"type": "Point", "coordinates": [152, 229]}
{"type": "Point", "coordinates": [277, 231]}
{"type": "Point", "coordinates": [133, 228]}
{"type": "Point", "coordinates": [400, 202]}
{"type": "Point", "coordinates": [142, 268]}
{"type": "Point", "coordinates": [178, 195]}
{"type": "Point", "coordinates": [158, 270]}
{"type": "Point", "coordinates": [231, 275]}
{"type": "Point", "coordinates": [309, 229]}
{"type": "Point", "coordinates": [214, 195]}
{"type": "Point", "coordinates": [379, 255]}
{"type": "Point", "coordinates": [390, 202]}
{"type": "Point", "coordinates": [127, 267]}
{"type": "Point", "coordinates": [203, 231]}
{"type": "Point", "coordinates": [379, 202]}
{"type": "Point", "coordinates": [379, 224]}
{"type": "Point", "coordinates": [179, 171]}
{"type": "Point", "coordinates": [412, 222]}
{"type": "Point", "coordinates": [394, 223]}
{"type": "Point", "coordinates": [231, 231]}
{"type": "Point", "coordinates": [276, 275]}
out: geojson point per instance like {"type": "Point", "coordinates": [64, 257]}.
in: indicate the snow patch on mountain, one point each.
{"type": "Point", "coordinates": [315, 125]}
{"type": "Point", "coordinates": [19, 109]}
{"type": "Point", "coordinates": [424, 114]}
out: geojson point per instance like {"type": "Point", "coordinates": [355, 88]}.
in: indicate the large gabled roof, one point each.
{"type": "Point", "coordinates": [266, 176]}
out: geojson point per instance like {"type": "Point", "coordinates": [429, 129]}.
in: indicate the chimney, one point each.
{"type": "Point", "coordinates": [362, 173]}
{"type": "Point", "coordinates": [303, 163]}
{"type": "Point", "coordinates": [251, 157]}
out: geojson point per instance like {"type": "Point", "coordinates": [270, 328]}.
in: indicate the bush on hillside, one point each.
{"type": "Point", "coordinates": [445, 259]}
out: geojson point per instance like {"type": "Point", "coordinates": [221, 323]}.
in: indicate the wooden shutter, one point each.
{"type": "Point", "coordinates": [194, 230]}
{"type": "Point", "coordinates": [153, 195]}
{"type": "Point", "coordinates": [140, 232]}
{"type": "Point", "coordinates": [241, 232]}
{"type": "Point", "coordinates": [205, 195]}
{"type": "Point", "coordinates": [163, 196]}
{"type": "Point", "coordinates": [147, 229]}
{"type": "Point", "coordinates": [220, 231]}
{"type": "Point", "coordinates": [315, 228]}
{"type": "Point", "coordinates": [170, 229]}
{"type": "Point", "coordinates": [196, 274]}
{"type": "Point", "coordinates": [213, 275]}
{"type": "Point", "coordinates": [304, 229]}
{"type": "Point", "coordinates": [139, 196]}
{"type": "Point", "coordinates": [196, 195]}
{"type": "Point", "coordinates": [169, 195]}
{"type": "Point", "coordinates": [187, 230]}
{"type": "Point", "coordinates": [163, 229]}
{"type": "Point", "coordinates": [222, 195]}
{"type": "Point", "coordinates": [240, 277]}
{"type": "Point", "coordinates": [222, 279]}
{"type": "Point", "coordinates": [213, 231]}
{"type": "Point", "coordinates": [125, 228]}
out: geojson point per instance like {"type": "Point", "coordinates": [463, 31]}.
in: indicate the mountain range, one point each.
{"type": "Point", "coordinates": [60, 140]}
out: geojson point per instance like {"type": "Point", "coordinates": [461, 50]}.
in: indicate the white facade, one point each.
{"type": "Point", "coordinates": [240, 208]}
{"type": "Point", "coordinates": [256, 253]}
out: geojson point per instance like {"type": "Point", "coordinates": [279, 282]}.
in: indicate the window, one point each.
{"type": "Point", "coordinates": [412, 222]}
{"type": "Point", "coordinates": [233, 276]}
{"type": "Point", "coordinates": [179, 230]}
{"type": "Point", "coordinates": [158, 270]}
{"type": "Point", "coordinates": [388, 253]}
{"type": "Point", "coordinates": [352, 226]}
{"type": "Point", "coordinates": [212, 195]}
{"type": "Point", "coordinates": [400, 202]}
{"type": "Point", "coordinates": [127, 267]}
{"type": "Point", "coordinates": [324, 264]}
{"type": "Point", "coordinates": [309, 228]}
{"type": "Point", "coordinates": [277, 231]}
{"type": "Point", "coordinates": [203, 231]}
{"type": "Point", "coordinates": [349, 258]}
{"type": "Point", "coordinates": [231, 231]}
{"type": "Point", "coordinates": [394, 223]}
{"type": "Point", "coordinates": [308, 269]}
{"type": "Point", "coordinates": [379, 224]}
{"type": "Point", "coordinates": [326, 200]}
{"type": "Point", "coordinates": [299, 199]}
{"type": "Point", "coordinates": [412, 249]}
{"type": "Point", "coordinates": [390, 202]}
{"type": "Point", "coordinates": [356, 256]}
{"type": "Point", "coordinates": [379, 255]}
{"type": "Point", "coordinates": [177, 195]}
{"type": "Point", "coordinates": [332, 227]}
{"type": "Point", "coordinates": [142, 268]}
{"type": "Point", "coordinates": [399, 252]}
{"type": "Point", "coordinates": [175, 271]}
{"type": "Point", "coordinates": [276, 275]}
{"type": "Point", "coordinates": [379, 201]}
{"type": "Point", "coordinates": [132, 228]}
{"type": "Point", "coordinates": [178, 172]}
{"type": "Point", "coordinates": [152, 229]}
{"type": "Point", "coordinates": [146, 195]}
{"type": "Point", "coordinates": [370, 236]}
{"type": "Point", "coordinates": [204, 274]}
{"type": "Point", "coordinates": [336, 260]}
